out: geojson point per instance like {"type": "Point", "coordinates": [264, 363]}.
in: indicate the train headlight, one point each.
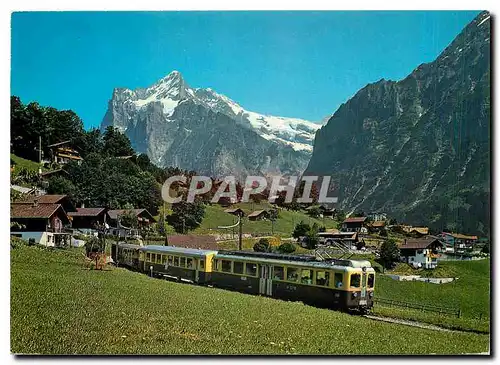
{"type": "Point", "coordinates": [354, 295]}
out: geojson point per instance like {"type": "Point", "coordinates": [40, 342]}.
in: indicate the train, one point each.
{"type": "Point", "coordinates": [339, 284]}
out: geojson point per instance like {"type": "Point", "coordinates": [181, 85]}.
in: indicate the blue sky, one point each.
{"type": "Point", "coordinates": [294, 64]}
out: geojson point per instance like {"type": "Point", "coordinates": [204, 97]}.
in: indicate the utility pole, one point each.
{"type": "Point", "coordinates": [240, 234]}
{"type": "Point", "coordinates": [39, 154]}
{"type": "Point", "coordinates": [165, 223]}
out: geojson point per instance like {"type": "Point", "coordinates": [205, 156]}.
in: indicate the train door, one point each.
{"type": "Point", "coordinates": [265, 280]}
{"type": "Point", "coordinates": [196, 264]}
{"type": "Point", "coordinates": [364, 278]}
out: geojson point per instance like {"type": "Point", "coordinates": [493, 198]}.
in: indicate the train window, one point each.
{"type": "Point", "coordinates": [159, 258]}
{"type": "Point", "coordinates": [153, 258]}
{"type": "Point", "coordinates": [182, 262]}
{"type": "Point", "coordinates": [189, 263]}
{"type": "Point", "coordinates": [148, 256]}
{"type": "Point", "coordinates": [292, 274]}
{"type": "Point", "coordinates": [251, 269]}
{"type": "Point", "coordinates": [355, 280]}
{"type": "Point", "coordinates": [226, 266]}
{"type": "Point", "coordinates": [322, 278]}
{"type": "Point", "coordinates": [238, 267]}
{"type": "Point", "coordinates": [163, 259]}
{"type": "Point", "coordinates": [306, 276]}
{"type": "Point", "coordinates": [371, 279]}
{"type": "Point", "coordinates": [279, 273]}
{"type": "Point", "coordinates": [338, 280]}
{"type": "Point", "coordinates": [202, 264]}
{"type": "Point", "coordinates": [176, 261]}
{"type": "Point", "coordinates": [170, 260]}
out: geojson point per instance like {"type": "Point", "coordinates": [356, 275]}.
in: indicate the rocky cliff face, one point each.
{"type": "Point", "coordinates": [201, 130]}
{"type": "Point", "coordinates": [418, 148]}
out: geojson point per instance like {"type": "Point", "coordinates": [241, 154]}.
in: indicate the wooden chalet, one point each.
{"type": "Point", "coordinates": [324, 210]}
{"type": "Point", "coordinates": [39, 217]}
{"type": "Point", "coordinates": [422, 252]}
{"type": "Point", "coordinates": [88, 218]}
{"type": "Point", "coordinates": [62, 153]}
{"type": "Point", "coordinates": [259, 215]}
{"type": "Point", "coordinates": [143, 216]}
{"type": "Point", "coordinates": [353, 224]}
{"type": "Point", "coordinates": [376, 226]}
{"type": "Point", "coordinates": [50, 199]}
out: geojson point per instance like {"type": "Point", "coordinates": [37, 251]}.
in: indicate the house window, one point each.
{"type": "Point", "coordinates": [226, 266]}
{"type": "Point", "coordinates": [322, 278]}
{"type": "Point", "coordinates": [238, 267]}
{"type": "Point", "coordinates": [279, 273]}
{"type": "Point", "coordinates": [355, 280]}
{"type": "Point", "coordinates": [251, 269]}
{"type": "Point", "coordinates": [420, 252]}
{"type": "Point", "coordinates": [306, 276]}
{"type": "Point", "coordinates": [292, 274]}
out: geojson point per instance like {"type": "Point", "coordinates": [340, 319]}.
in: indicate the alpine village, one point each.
{"type": "Point", "coordinates": [102, 264]}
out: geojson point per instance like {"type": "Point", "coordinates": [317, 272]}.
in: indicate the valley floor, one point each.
{"type": "Point", "coordinates": [59, 307]}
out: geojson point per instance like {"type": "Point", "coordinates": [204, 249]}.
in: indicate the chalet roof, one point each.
{"type": "Point", "coordinates": [34, 212]}
{"type": "Point", "coordinates": [354, 220]}
{"type": "Point", "coordinates": [43, 199]}
{"type": "Point", "coordinates": [340, 235]}
{"type": "Point", "coordinates": [59, 143]}
{"type": "Point", "coordinates": [48, 173]}
{"type": "Point", "coordinates": [257, 213]}
{"type": "Point", "coordinates": [114, 213]}
{"type": "Point", "coordinates": [421, 230]}
{"type": "Point", "coordinates": [234, 211]}
{"type": "Point", "coordinates": [86, 212]}
{"type": "Point", "coordinates": [421, 243]}
{"type": "Point", "coordinates": [462, 236]}
{"type": "Point", "coordinates": [204, 242]}
{"type": "Point", "coordinates": [378, 224]}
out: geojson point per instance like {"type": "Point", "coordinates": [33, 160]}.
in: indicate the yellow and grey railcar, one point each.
{"type": "Point", "coordinates": [336, 284]}
{"type": "Point", "coordinates": [178, 262]}
{"type": "Point", "coordinates": [126, 254]}
{"type": "Point", "coordinates": [341, 284]}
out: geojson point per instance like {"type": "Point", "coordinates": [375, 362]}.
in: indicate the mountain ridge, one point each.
{"type": "Point", "coordinates": [157, 117]}
{"type": "Point", "coordinates": [417, 148]}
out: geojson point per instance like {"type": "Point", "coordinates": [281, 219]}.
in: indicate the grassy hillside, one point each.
{"type": "Point", "coordinates": [27, 164]}
{"type": "Point", "coordinates": [470, 293]}
{"type": "Point", "coordinates": [284, 225]}
{"type": "Point", "coordinates": [58, 307]}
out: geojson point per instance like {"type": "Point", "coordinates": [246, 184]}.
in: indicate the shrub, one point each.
{"type": "Point", "coordinates": [287, 247]}
{"type": "Point", "coordinates": [262, 245]}
{"type": "Point", "coordinates": [389, 253]}
{"type": "Point", "coordinates": [300, 229]}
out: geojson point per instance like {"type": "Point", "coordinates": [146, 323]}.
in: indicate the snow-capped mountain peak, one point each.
{"type": "Point", "coordinates": [173, 89]}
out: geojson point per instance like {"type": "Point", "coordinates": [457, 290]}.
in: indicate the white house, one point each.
{"type": "Point", "coordinates": [421, 252]}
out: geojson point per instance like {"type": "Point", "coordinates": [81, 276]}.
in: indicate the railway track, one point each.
{"type": "Point", "coordinates": [410, 323]}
